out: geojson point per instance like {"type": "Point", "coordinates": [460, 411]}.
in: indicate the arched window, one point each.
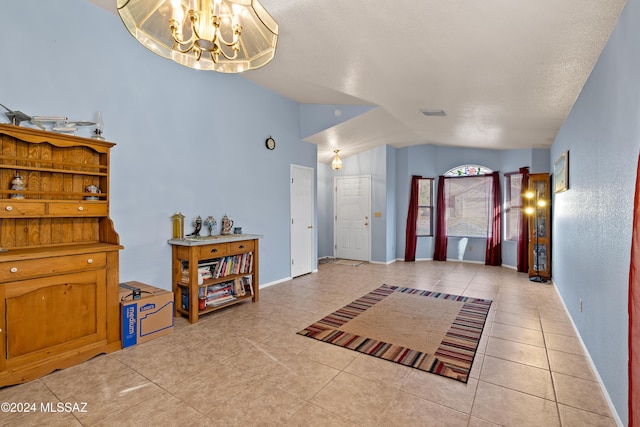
{"type": "Point", "coordinates": [468, 170]}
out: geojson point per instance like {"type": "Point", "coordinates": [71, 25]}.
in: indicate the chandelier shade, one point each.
{"type": "Point", "coordinates": [228, 36]}
{"type": "Point", "coordinates": [336, 163]}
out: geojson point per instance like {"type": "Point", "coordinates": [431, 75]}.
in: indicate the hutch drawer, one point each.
{"type": "Point", "coordinates": [19, 270]}
{"type": "Point", "coordinates": [9, 209]}
{"type": "Point", "coordinates": [78, 209]}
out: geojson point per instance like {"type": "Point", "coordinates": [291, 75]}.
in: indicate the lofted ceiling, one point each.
{"type": "Point", "coordinates": [506, 73]}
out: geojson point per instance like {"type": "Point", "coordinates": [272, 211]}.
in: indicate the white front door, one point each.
{"type": "Point", "coordinates": [302, 215]}
{"type": "Point", "coordinates": [352, 217]}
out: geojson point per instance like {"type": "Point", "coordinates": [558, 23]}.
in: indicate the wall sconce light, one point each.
{"type": "Point", "coordinates": [336, 164]}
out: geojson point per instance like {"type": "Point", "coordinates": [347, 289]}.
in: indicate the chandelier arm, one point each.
{"type": "Point", "coordinates": [197, 52]}
{"type": "Point", "coordinates": [178, 39]}
{"type": "Point", "coordinates": [178, 46]}
{"type": "Point", "coordinates": [237, 33]}
{"type": "Point", "coordinates": [193, 18]}
{"type": "Point", "coordinates": [227, 57]}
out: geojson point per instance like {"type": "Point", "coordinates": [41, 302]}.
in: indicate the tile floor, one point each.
{"type": "Point", "coordinates": [246, 366]}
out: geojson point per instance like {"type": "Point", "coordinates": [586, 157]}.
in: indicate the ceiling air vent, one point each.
{"type": "Point", "coordinates": [433, 113]}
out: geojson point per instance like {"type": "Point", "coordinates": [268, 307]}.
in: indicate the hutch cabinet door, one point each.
{"type": "Point", "coordinates": [49, 316]}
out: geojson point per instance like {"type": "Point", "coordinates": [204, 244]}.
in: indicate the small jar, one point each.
{"type": "Point", "coordinates": [178, 225]}
{"type": "Point", "coordinates": [17, 183]}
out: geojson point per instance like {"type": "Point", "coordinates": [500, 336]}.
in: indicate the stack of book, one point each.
{"type": "Point", "coordinates": [242, 286]}
{"type": "Point", "coordinates": [218, 294]}
{"type": "Point", "coordinates": [247, 285]}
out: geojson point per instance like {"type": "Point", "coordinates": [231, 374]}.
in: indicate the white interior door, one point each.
{"type": "Point", "coordinates": [302, 232]}
{"type": "Point", "coordinates": [352, 217]}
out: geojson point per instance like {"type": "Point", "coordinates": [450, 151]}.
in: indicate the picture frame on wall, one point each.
{"type": "Point", "coordinates": [561, 173]}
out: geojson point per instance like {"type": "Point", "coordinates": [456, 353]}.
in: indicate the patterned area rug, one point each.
{"type": "Point", "coordinates": [431, 331]}
{"type": "Point", "coordinates": [341, 261]}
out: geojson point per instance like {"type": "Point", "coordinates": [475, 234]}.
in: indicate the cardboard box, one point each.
{"type": "Point", "coordinates": [146, 318]}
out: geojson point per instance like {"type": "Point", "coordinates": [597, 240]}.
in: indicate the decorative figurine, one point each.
{"type": "Point", "coordinates": [197, 223]}
{"type": "Point", "coordinates": [209, 222]}
{"type": "Point", "coordinates": [178, 225]}
{"type": "Point", "coordinates": [226, 225]}
{"type": "Point", "coordinates": [17, 183]}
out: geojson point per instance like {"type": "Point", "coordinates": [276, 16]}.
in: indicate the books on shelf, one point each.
{"type": "Point", "coordinates": [184, 301]}
{"type": "Point", "coordinates": [247, 285]}
{"type": "Point", "coordinates": [239, 284]}
{"type": "Point", "coordinates": [220, 293]}
{"type": "Point", "coordinates": [220, 267]}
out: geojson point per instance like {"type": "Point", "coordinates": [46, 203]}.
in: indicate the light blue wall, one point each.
{"type": "Point", "coordinates": [188, 140]}
{"type": "Point", "coordinates": [391, 217]}
{"type": "Point", "coordinates": [325, 210]}
{"type": "Point", "coordinates": [592, 221]}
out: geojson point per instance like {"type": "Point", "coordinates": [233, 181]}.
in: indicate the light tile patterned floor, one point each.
{"type": "Point", "coordinates": [246, 366]}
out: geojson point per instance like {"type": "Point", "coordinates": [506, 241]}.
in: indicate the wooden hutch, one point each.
{"type": "Point", "coordinates": [59, 253]}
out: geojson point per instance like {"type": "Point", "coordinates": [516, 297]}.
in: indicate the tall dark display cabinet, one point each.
{"type": "Point", "coordinates": [538, 200]}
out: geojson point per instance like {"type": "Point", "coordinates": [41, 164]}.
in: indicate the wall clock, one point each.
{"type": "Point", "coordinates": [270, 143]}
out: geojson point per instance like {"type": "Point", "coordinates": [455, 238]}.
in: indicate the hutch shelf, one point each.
{"type": "Point", "coordinates": [59, 258]}
{"type": "Point", "coordinates": [213, 272]}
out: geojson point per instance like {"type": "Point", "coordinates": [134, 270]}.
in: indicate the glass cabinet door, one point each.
{"type": "Point", "coordinates": [539, 203]}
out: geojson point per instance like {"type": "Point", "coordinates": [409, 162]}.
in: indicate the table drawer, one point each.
{"type": "Point", "coordinates": [79, 208]}
{"type": "Point", "coordinates": [242, 246]}
{"type": "Point", "coordinates": [12, 209]}
{"type": "Point", "coordinates": [19, 270]}
{"type": "Point", "coordinates": [213, 251]}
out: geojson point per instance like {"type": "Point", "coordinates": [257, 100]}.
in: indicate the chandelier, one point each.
{"type": "Point", "coordinates": [336, 164]}
{"type": "Point", "coordinates": [229, 36]}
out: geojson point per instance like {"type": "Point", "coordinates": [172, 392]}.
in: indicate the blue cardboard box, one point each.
{"type": "Point", "coordinates": [146, 318]}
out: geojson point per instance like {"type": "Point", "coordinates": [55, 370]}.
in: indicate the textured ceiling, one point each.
{"type": "Point", "coordinates": [505, 72]}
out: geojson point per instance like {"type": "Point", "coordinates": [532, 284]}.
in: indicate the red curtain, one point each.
{"type": "Point", "coordinates": [440, 252]}
{"type": "Point", "coordinates": [523, 228]}
{"type": "Point", "coordinates": [493, 255]}
{"type": "Point", "coordinates": [634, 311]}
{"type": "Point", "coordinates": [411, 238]}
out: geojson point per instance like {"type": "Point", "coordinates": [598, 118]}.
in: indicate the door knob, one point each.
{"type": "Point", "coordinates": [366, 223]}
{"type": "Point", "coordinates": [310, 226]}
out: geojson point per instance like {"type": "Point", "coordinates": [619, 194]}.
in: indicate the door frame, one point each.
{"type": "Point", "coordinates": [335, 213]}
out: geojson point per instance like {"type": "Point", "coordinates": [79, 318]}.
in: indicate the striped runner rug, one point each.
{"type": "Point", "coordinates": [426, 330]}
